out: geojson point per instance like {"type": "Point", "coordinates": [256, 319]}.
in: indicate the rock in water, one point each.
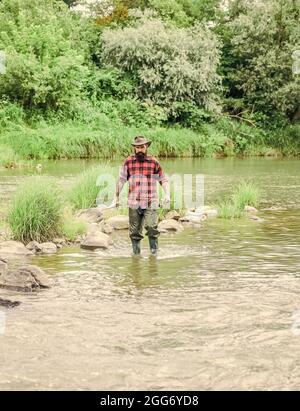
{"type": "Point", "coordinates": [26, 278]}
{"type": "Point", "coordinates": [250, 209]}
{"type": "Point", "coordinates": [105, 227]}
{"type": "Point", "coordinates": [94, 240]}
{"type": "Point", "coordinates": [48, 248]}
{"type": "Point", "coordinates": [255, 218]}
{"type": "Point", "coordinates": [193, 217]}
{"type": "Point", "coordinates": [211, 212]}
{"type": "Point", "coordinates": [14, 247]}
{"type": "Point", "coordinates": [91, 215]}
{"type": "Point", "coordinates": [59, 241]}
{"type": "Point", "coordinates": [169, 225]}
{"type": "Point", "coordinates": [33, 246]}
{"type": "Point", "coordinates": [172, 214]}
{"type": "Point", "coordinates": [8, 303]}
{"type": "Point", "coordinates": [119, 222]}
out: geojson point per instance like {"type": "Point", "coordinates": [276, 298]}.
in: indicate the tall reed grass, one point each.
{"type": "Point", "coordinates": [246, 194]}
{"type": "Point", "coordinates": [35, 213]}
{"type": "Point", "coordinates": [107, 139]}
{"type": "Point", "coordinates": [90, 185]}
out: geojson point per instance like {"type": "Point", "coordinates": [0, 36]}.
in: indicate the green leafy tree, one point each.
{"type": "Point", "coordinates": [46, 47]}
{"type": "Point", "coordinates": [182, 13]}
{"type": "Point", "coordinates": [196, 10]}
{"type": "Point", "coordinates": [169, 65]}
{"type": "Point", "coordinates": [259, 40]}
{"type": "Point", "coordinates": [171, 10]}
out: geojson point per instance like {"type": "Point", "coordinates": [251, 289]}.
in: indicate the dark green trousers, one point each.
{"type": "Point", "coordinates": [140, 218]}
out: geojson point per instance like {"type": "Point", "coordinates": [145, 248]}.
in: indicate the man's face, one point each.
{"type": "Point", "coordinates": [141, 149]}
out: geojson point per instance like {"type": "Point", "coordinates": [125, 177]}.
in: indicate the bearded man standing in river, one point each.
{"type": "Point", "coordinates": [142, 172]}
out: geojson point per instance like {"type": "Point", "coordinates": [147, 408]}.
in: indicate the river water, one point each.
{"type": "Point", "coordinates": [218, 309]}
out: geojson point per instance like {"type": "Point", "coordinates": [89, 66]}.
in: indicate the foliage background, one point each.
{"type": "Point", "coordinates": [221, 69]}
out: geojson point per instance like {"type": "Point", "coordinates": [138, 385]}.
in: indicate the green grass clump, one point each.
{"type": "Point", "coordinates": [84, 193]}
{"type": "Point", "coordinates": [247, 193]}
{"type": "Point", "coordinates": [286, 140]}
{"type": "Point", "coordinates": [8, 157]}
{"type": "Point", "coordinates": [35, 213]}
{"type": "Point", "coordinates": [72, 226]}
{"type": "Point", "coordinates": [228, 210]}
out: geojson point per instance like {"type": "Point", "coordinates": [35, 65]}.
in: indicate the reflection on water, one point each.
{"type": "Point", "coordinates": [218, 309]}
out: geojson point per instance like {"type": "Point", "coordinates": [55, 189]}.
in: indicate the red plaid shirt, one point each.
{"type": "Point", "coordinates": [142, 177]}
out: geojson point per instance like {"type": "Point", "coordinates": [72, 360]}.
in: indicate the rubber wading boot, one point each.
{"type": "Point", "coordinates": [153, 243]}
{"type": "Point", "coordinates": [136, 247]}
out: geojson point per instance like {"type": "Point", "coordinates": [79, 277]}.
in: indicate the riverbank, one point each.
{"type": "Point", "coordinates": [102, 138]}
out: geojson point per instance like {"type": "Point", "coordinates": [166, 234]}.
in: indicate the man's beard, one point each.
{"type": "Point", "coordinates": [140, 156]}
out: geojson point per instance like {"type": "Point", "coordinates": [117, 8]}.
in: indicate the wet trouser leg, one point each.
{"type": "Point", "coordinates": [136, 218]}
{"type": "Point", "coordinates": [151, 223]}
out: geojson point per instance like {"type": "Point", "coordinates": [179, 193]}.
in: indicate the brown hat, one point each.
{"type": "Point", "coordinates": [140, 141]}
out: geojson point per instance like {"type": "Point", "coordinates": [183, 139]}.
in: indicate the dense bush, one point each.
{"type": "Point", "coordinates": [11, 114]}
{"type": "Point", "coordinates": [83, 87]}
{"type": "Point", "coordinates": [260, 38]}
{"type": "Point", "coordinates": [169, 65]}
{"type": "Point", "coordinates": [108, 83]}
{"type": "Point", "coordinates": [186, 12]}
{"type": "Point", "coordinates": [46, 49]}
